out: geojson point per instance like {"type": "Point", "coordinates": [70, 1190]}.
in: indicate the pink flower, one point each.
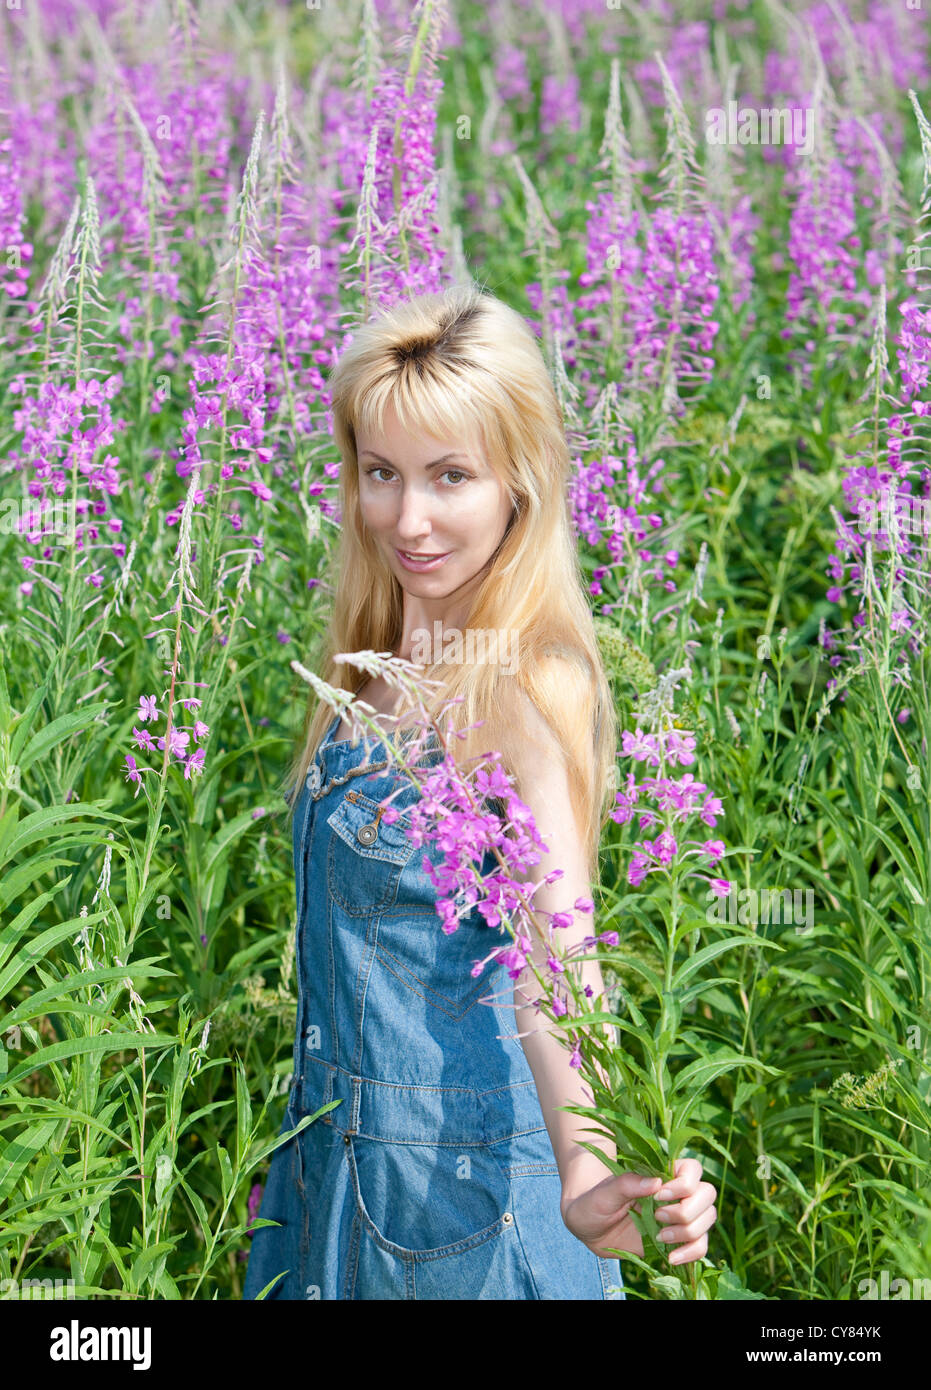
{"type": "Point", "coordinates": [680, 747]}
{"type": "Point", "coordinates": [639, 746]}
{"type": "Point", "coordinates": [720, 887]}
{"type": "Point", "coordinates": [665, 847]}
{"type": "Point", "coordinates": [133, 774]}
{"type": "Point", "coordinates": [254, 1203]}
{"type": "Point", "coordinates": [178, 744]}
{"type": "Point", "coordinates": [637, 872]}
{"type": "Point", "coordinates": [148, 708]}
{"type": "Point", "coordinates": [195, 763]}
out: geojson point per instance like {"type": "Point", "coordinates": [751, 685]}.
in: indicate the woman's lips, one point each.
{"type": "Point", "coordinates": [421, 566]}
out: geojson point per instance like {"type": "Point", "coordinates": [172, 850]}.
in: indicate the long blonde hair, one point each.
{"type": "Point", "coordinates": [466, 359]}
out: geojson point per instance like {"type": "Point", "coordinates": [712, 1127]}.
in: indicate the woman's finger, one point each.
{"type": "Point", "coordinates": [686, 1253]}
{"type": "Point", "coordinates": [703, 1197]}
{"type": "Point", "coordinates": [688, 1176]}
{"type": "Point", "coordinates": [681, 1234]}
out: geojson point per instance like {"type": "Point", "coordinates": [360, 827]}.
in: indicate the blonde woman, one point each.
{"type": "Point", "coordinates": [446, 1171]}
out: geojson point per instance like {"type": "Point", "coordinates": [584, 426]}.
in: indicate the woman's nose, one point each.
{"type": "Point", "coordinates": [414, 514]}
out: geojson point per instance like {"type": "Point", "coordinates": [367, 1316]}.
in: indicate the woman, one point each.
{"type": "Point", "coordinates": [446, 1171]}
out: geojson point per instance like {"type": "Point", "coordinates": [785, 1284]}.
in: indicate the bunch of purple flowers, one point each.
{"type": "Point", "coordinates": [178, 737]}
{"type": "Point", "coordinates": [676, 800]}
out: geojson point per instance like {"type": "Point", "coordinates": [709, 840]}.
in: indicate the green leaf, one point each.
{"type": "Point", "coordinates": [19, 1153]}
{"type": "Point", "coordinates": [271, 1284]}
{"type": "Point", "coordinates": [226, 1169]}
{"type": "Point", "coordinates": [144, 1261]}
{"type": "Point", "coordinates": [75, 1047]}
{"type": "Point", "coordinates": [730, 1287]}
{"type": "Point", "coordinates": [43, 943]}
{"type": "Point", "coordinates": [65, 726]}
{"type": "Point", "coordinates": [34, 1006]}
{"type": "Point", "coordinates": [699, 1074]}
{"type": "Point", "coordinates": [25, 719]}
{"type": "Point", "coordinates": [163, 1172]}
{"type": "Point", "coordinates": [224, 840]}
{"type": "Point", "coordinates": [708, 953]}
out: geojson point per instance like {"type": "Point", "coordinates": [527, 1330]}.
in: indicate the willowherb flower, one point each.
{"type": "Point", "coordinates": [611, 501]}
{"type": "Point", "coordinates": [14, 270]}
{"type": "Point", "coordinates": [669, 802]}
{"type": "Point", "coordinates": [887, 488]}
{"type": "Point", "coordinates": [450, 816]}
{"type": "Point", "coordinates": [67, 481]}
{"type": "Point", "coordinates": [661, 269]}
{"type": "Point", "coordinates": [179, 740]}
{"type": "Point", "coordinates": [400, 252]}
{"type": "Point", "coordinates": [686, 56]}
{"type": "Point", "coordinates": [824, 301]}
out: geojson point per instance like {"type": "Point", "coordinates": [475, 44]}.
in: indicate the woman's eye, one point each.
{"type": "Point", "coordinates": [448, 472]}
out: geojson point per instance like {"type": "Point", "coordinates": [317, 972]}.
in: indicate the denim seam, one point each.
{"type": "Point", "coordinates": [546, 1170]}
{"type": "Point", "coordinates": [607, 1267]}
{"type": "Point", "coordinates": [352, 1265]}
{"type": "Point", "coordinates": [515, 1224]}
{"type": "Point", "coordinates": [385, 955]}
{"type": "Point", "coordinates": [363, 975]}
{"type": "Point", "coordinates": [331, 977]}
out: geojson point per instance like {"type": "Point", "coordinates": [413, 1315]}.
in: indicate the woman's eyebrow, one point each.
{"type": "Point", "coordinates": [436, 462]}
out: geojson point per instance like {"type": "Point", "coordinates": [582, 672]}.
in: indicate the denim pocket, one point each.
{"type": "Point", "coordinates": [365, 856]}
{"type": "Point", "coordinates": [434, 966]}
{"type": "Point", "coordinates": [420, 1201]}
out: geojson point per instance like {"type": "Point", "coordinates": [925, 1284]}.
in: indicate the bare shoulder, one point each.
{"type": "Point", "coordinates": [543, 785]}
{"type": "Point", "coordinates": [534, 741]}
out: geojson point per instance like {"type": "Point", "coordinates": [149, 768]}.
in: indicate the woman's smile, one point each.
{"type": "Point", "coordinates": [422, 562]}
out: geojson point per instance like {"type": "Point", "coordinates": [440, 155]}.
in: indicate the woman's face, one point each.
{"type": "Point", "coordinates": [431, 497]}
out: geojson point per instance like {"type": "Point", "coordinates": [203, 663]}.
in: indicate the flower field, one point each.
{"type": "Point", "coordinates": [715, 216]}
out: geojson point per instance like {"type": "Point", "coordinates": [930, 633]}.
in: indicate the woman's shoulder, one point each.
{"type": "Point", "coordinates": [532, 735]}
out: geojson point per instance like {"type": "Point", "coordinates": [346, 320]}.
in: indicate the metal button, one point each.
{"type": "Point", "coordinates": [367, 834]}
{"type": "Point", "coordinates": [345, 1138]}
{"type": "Point", "coordinates": [507, 1218]}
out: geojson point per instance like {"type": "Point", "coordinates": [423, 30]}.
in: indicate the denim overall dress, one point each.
{"type": "Point", "coordinates": [434, 1177]}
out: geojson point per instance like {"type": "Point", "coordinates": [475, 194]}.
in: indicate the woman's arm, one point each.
{"type": "Point", "coordinates": [595, 1205]}
{"type": "Point", "coordinates": [545, 789]}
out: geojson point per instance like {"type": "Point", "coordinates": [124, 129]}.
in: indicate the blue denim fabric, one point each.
{"type": "Point", "coordinates": [434, 1178]}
